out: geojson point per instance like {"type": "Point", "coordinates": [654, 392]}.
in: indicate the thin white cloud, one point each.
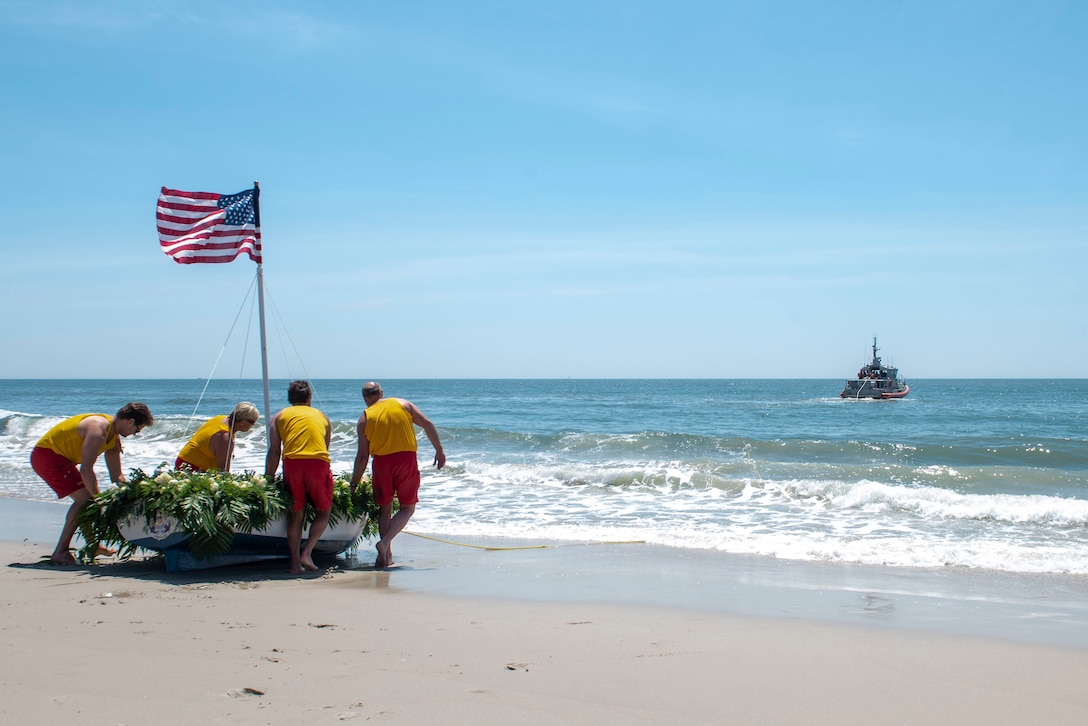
{"type": "Point", "coordinates": [275, 28]}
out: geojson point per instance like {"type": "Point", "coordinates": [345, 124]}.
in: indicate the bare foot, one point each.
{"type": "Point", "coordinates": [296, 568]}
{"type": "Point", "coordinates": [63, 559]}
{"type": "Point", "coordinates": [382, 560]}
{"type": "Point", "coordinates": [104, 551]}
{"type": "Point", "coordinates": [308, 563]}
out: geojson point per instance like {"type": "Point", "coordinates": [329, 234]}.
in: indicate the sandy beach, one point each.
{"type": "Point", "coordinates": [128, 643]}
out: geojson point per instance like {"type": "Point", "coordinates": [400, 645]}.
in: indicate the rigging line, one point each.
{"type": "Point", "coordinates": [249, 332]}
{"type": "Point", "coordinates": [241, 370]}
{"type": "Point", "coordinates": [522, 547]}
{"type": "Point", "coordinates": [208, 380]}
{"type": "Point", "coordinates": [280, 328]}
{"type": "Point", "coordinates": [302, 363]}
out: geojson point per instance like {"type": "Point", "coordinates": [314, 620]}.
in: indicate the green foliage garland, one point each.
{"type": "Point", "coordinates": [211, 506]}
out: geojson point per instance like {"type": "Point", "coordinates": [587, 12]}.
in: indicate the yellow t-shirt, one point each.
{"type": "Point", "coordinates": [302, 429]}
{"type": "Point", "coordinates": [198, 451]}
{"type": "Point", "coordinates": [65, 440]}
{"type": "Point", "coordinates": [389, 428]}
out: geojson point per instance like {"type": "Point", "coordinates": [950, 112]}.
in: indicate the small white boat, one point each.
{"type": "Point", "coordinates": [162, 534]}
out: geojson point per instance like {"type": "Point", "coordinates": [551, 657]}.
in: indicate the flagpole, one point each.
{"type": "Point", "coordinates": [260, 314]}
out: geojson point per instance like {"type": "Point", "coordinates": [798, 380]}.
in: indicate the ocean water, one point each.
{"type": "Point", "coordinates": [984, 474]}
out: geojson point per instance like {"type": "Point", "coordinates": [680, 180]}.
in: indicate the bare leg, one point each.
{"type": "Point", "coordinates": [384, 516]}
{"type": "Point", "coordinates": [294, 539]}
{"type": "Point", "coordinates": [61, 555]}
{"type": "Point", "coordinates": [389, 526]}
{"type": "Point", "coordinates": [321, 521]}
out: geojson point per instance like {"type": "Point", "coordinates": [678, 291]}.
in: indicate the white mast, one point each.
{"type": "Point", "coordinates": [260, 315]}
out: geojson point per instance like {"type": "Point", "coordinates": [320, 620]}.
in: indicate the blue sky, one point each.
{"type": "Point", "coordinates": [561, 189]}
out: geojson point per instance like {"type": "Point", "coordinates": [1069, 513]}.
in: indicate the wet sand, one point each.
{"type": "Point", "coordinates": [588, 634]}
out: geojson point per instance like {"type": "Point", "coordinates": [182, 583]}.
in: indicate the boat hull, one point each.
{"type": "Point", "coordinates": [870, 389]}
{"type": "Point", "coordinates": [163, 534]}
{"type": "Point", "coordinates": [896, 394]}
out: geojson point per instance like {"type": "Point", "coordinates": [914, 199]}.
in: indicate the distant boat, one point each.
{"type": "Point", "coordinates": [875, 380]}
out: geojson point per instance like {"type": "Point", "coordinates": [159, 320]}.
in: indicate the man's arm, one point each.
{"type": "Point", "coordinates": [272, 460]}
{"type": "Point", "coordinates": [93, 430]}
{"type": "Point", "coordinates": [362, 455]}
{"type": "Point", "coordinates": [113, 462]}
{"type": "Point", "coordinates": [219, 445]}
{"type": "Point", "coordinates": [428, 428]}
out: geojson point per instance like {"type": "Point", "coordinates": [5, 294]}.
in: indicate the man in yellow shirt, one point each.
{"type": "Point", "coordinates": [212, 446]}
{"type": "Point", "coordinates": [386, 432]}
{"type": "Point", "coordinates": [80, 440]}
{"type": "Point", "coordinates": [304, 434]}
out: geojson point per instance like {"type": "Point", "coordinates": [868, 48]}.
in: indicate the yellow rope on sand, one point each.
{"type": "Point", "coordinates": [522, 547]}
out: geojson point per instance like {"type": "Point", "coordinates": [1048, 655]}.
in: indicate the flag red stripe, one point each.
{"type": "Point", "coordinates": [207, 237]}
{"type": "Point", "coordinates": [212, 251]}
{"type": "Point", "coordinates": [194, 260]}
{"type": "Point", "coordinates": [209, 229]}
{"type": "Point", "coordinates": [211, 196]}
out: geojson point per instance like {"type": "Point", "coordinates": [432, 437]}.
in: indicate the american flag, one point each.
{"type": "Point", "coordinates": [208, 227]}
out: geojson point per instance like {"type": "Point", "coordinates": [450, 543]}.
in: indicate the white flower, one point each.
{"type": "Point", "coordinates": [163, 478]}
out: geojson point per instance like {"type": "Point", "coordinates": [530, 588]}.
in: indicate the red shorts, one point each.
{"type": "Point", "coordinates": [308, 478]}
{"type": "Point", "coordinates": [182, 465]}
{"type": "Point", "coordinates": [395, 473]}
{"type": "Point", "coordinates": [61, 475]}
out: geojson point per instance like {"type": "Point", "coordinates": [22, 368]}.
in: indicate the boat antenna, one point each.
{"type": "Point", "coordinates": [260, 315]}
